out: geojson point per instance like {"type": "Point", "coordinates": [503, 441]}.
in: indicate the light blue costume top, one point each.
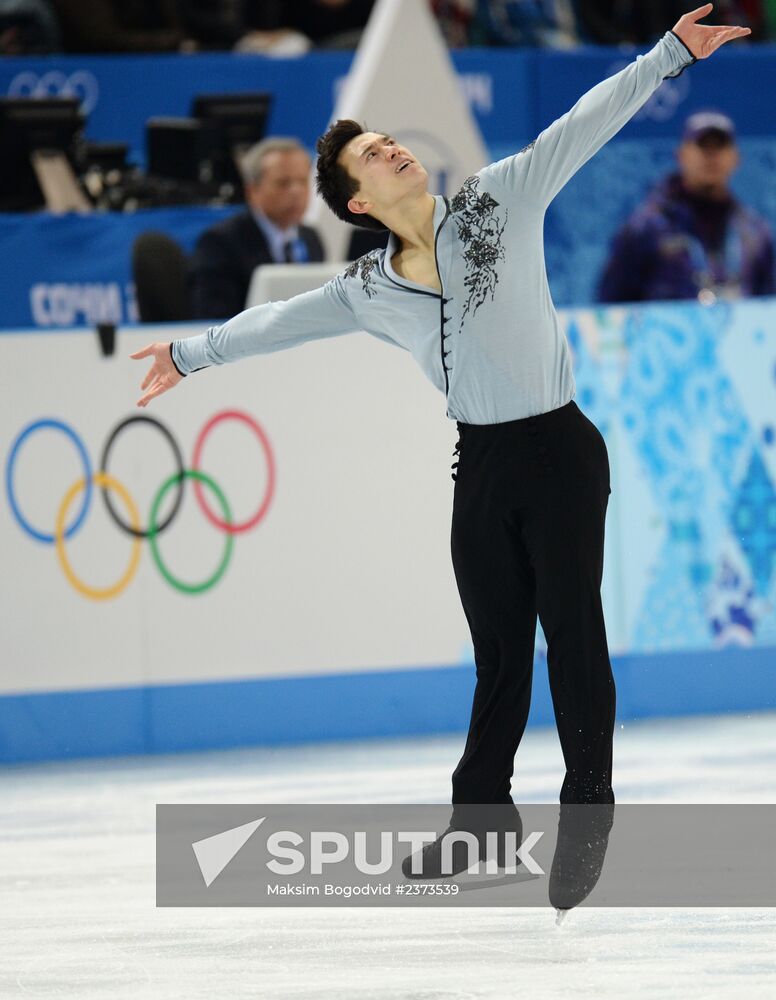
{"type": "Point", "coordinates": [491, 341]}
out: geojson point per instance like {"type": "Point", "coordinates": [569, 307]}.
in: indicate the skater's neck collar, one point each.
{"type": "Point", "coordinates": [441, 211]}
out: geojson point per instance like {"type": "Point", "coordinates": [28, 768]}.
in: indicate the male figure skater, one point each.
{"type": "Point", "coordinates": [462, 286]}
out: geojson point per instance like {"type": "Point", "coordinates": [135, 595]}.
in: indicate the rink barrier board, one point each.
{"type": "Point", "coordinates": [54, 283]}
{"type": "Point", "coordinates": [129, 89]}
{"type": "Point", "coordinates": [684, 574]}
{"type": "Point", "coordinates": [376, 704]}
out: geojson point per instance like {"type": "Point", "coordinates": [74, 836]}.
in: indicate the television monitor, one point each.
{"type": "Point", "coordinates": [241, 120]}
{"type": "Point", "coordinates": [30, 125]}
{"type": "Point", "coordinates": [183, 149]}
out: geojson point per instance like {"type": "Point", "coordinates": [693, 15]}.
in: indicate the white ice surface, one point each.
{"type": "Point", "coordinates": [78, 919]}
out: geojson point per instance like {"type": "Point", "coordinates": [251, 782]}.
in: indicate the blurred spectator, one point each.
{"type": "Point", "coordinates": [747, 12]}
{"type": "Point", "coordinates": [550, 23]}
{"type": "Point", "coordinates": [507, 22]}
{"type": "Point", "coordinates": [769, 19]}
{"type": "Point", "coordinates": [634, 22]}
{"type": "Point", "coordinates": [455, 19]}
{"type": "Point", "coordinates": [122, 26]}
{"type": "Point", "coordinates": [153, 25]}
{"type": "Point", "coordinates": [28, 27]}
{"type": "Point", "coordinates": [277, 191]}
{"type": "Point", "coordinates": [278, 24]}
{"type": "Point", "coordinates": [213, 24]}
{"type": "Point", "coordinates": [752, 13]}
{"type": "Point", "coordinates": [331, 23]}
{"type": "Point", "coordinates": [628, 22]}
{"type": "Point", "coordinates": [691, 238]}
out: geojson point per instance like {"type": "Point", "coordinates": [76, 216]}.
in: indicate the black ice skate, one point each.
{"type": "Point", "coordinates": [583, 837]}
{"type": "Point", "coordinates": [429, 860]}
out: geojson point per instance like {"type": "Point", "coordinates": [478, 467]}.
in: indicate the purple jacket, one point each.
{"type": "Point", "coordinates": [676, 244]}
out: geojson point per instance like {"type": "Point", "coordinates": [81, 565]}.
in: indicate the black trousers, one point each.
{"type": "Point", "coordinates": [528, 537]}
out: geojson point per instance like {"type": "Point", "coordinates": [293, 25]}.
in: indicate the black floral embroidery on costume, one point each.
{"type": "Point", "coordinates": [480, 230]}
{"type": "Point", "coordinates": [364, 267]}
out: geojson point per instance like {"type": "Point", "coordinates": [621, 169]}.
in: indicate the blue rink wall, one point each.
{"type": "Point", "coordinates": [169, 719]}
{"type": "Point", "coordinates": [685, 397]}
{"type": "Point", "coordinates": [71, 270]}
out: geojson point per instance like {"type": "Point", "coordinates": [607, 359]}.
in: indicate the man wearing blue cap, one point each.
{"type": "Point", "coordinates": [691, 238]}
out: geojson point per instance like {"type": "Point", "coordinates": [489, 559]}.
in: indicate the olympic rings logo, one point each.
{"type": "Point", "coordinates": [129, 521]}
{"type": "Point", "coordinates": [54, 83]}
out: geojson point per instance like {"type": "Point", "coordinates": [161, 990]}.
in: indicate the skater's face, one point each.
{"type": "Point", "coordinates": [386, 171]}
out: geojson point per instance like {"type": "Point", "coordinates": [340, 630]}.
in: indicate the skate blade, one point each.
{"type": "Point", "coordinates": [560, 916]}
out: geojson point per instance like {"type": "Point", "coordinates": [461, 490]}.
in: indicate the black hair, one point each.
{"type": "Point", "coordinates": [332, 182]}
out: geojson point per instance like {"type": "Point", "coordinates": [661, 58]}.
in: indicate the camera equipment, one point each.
{"type": "Point", "coordinates": [241, 120]}
{"type": "Point", "coordinates": [39, 138]}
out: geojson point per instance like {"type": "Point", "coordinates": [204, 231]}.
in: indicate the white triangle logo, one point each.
{"type": "Point", "coordinates": [214, 853]}
{"type": "Point", "coordinates": [403, 80]}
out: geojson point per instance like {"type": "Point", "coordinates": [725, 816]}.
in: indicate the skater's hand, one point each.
{"type": "Point", "coordinates": [702, 39]}
{"type": "Point", "coordinates": [163, 374]}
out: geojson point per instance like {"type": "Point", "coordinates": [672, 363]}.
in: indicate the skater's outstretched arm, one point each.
{"type": "Point", "coordinates": [274, 326]}
{"type": "Point", "coordinates": [541, 169]}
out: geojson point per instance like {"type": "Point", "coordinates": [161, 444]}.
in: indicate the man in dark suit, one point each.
{"type": "Point", "coordinates": [277, 189]}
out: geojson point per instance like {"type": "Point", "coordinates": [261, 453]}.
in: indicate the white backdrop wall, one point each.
{"type": "Point", "coordinates": [349, 573]}
{"type": "Point", "coordinates": [348, 570]}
